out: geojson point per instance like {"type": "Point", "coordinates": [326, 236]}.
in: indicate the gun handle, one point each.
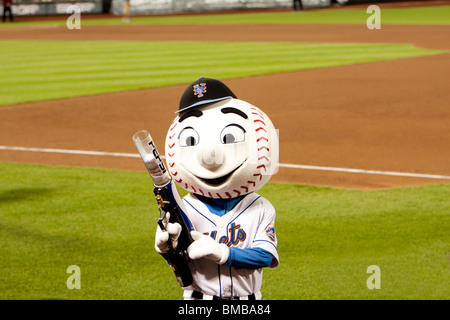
{"type": "Point", "coordinates": [179, 264]}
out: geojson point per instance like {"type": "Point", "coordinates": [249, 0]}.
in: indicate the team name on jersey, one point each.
{"type": "Point", "coordinates": [234, 235]}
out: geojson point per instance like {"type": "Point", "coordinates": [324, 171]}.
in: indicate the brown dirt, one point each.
{"type": "Point", "coordinates": [433, 37]}
{"type": "Point", "coordinates": [390, 115]}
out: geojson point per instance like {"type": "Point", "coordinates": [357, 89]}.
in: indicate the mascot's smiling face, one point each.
{"type": "Point", "coordinates": [222, 149]}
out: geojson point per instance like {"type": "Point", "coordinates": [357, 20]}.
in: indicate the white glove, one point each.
{"type": "Point", "coordinates": [206, 247]}
{"type": "Point", "coordinates": [161, 237]}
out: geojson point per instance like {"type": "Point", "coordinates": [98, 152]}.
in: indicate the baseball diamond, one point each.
{"type": "Point", "coordinates": [362, 120]}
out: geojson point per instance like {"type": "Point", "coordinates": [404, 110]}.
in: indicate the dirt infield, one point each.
{"type": "Point", "coordinates": [432, 37]}
{"type": "Point", "coordinates": [391, 115]}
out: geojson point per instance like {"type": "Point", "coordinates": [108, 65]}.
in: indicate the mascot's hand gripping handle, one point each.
{"type": "Point", "coordinates": [169, 201]}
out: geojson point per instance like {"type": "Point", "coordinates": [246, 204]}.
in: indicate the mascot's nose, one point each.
{"type": "Point", "coordinates": [211, 156]}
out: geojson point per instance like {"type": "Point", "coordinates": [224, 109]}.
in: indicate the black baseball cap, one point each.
{"type": "Point", "coordinates": [204, 91]}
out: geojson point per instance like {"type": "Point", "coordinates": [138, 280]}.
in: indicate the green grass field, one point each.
{"type": "Point", "coordinates": [54, 217]}
{"type": "Point", "coordinates": [421, 15]}
{"type": "Point", "coordinates": [42, 70]}
{"type": "Point", "coordinates": [433, 15]}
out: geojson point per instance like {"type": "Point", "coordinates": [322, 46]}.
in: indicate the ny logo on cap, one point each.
{"type": "Point", "coordinates": [199, 89]}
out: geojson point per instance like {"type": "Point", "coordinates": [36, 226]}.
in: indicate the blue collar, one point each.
{"type": "Point", "coordinates": [219, 207]}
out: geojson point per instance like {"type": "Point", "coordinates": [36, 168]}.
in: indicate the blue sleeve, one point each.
{"type": "Point", "coordinates": [249, 258]}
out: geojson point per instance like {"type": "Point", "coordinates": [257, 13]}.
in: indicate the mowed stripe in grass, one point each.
{"type": "Point", "coordinates": [42, 70]}
{"type": "Point", "coordinates": [432, 15]}
{"type": "Point", "coordinates": [104, 222]}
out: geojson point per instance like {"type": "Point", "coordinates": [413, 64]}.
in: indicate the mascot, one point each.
{"type": "Point", "coordinates": [221, 150]}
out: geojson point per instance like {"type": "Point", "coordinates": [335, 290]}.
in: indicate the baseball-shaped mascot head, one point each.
{"type": "Point", "coordinates": [219, 146]}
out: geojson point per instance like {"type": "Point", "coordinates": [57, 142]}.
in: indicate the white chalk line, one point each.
{"type": "Point", "coordinates": [67, 151]}
{"type": "Point", "coordinates": [384, 173]}
{"type": "Point", "coordinates": [283, 165]}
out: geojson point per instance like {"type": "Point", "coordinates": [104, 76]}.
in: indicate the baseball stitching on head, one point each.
{"type": "Point", "coordinates": [171, 144]}
{"type": "Point", "coordinates": [262, 140]}
{"type": "Point", "coordinates": [170, 155]}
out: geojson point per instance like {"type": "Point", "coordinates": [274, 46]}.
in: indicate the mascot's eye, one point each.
{"type": "Point", "coordinates": [232, 133]}
{"type": "Point", "coordinates": [188, 137]}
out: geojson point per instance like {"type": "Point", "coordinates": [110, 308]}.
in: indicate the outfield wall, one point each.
{"type": "Point", "coordinates": [178, 6]}
{"type": "Point", "coordinates": [56, 7]}
{"type": "Point", "coordinates": [148, 7]}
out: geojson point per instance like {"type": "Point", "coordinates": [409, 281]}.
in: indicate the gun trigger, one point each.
{"type": "Point", "coordinates": [160, 201]}
{"type": "Point", "coordinates": [162, 215]}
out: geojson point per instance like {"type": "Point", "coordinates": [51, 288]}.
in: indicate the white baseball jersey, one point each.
{"type": "Point", "coordinates": [250, 224]}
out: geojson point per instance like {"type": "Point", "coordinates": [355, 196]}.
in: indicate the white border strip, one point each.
{"type": "Point", "coordinates": [283, 165]}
